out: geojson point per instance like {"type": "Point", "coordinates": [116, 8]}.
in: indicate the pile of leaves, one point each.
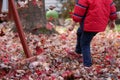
{"type": "Point", "coordinates": [53, 58]}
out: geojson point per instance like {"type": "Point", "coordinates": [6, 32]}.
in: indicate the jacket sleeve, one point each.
{"type": "Point", "coordinates": [113, 14]}
{"type": "Point", "coordinates": [79, 10]}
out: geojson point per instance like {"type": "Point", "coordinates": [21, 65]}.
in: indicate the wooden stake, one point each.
{"type": "Point", "coordinates": [19, 28]}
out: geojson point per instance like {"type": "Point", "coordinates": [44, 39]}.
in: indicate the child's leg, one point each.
{"type": "Point", "coordinates": [78, 47]}
{"type": "Point", "coordinates": [79, 33]}
{"type": "Point", "coordinates": [86, 38]}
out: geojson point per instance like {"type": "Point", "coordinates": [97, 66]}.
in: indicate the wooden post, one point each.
{"type": "Point", "coordinates": [19, 28]}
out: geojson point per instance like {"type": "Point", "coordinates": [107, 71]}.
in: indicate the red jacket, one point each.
{"type": "Point", "coordinates": [97, 13]}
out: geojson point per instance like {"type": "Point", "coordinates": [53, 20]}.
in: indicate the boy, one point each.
{"type": "Point", "coordinates": [93, 16]}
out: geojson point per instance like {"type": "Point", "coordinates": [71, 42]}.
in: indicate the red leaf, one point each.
{"type": "Point", "coordinates": [63, 37]}
{"type": "Point", "coordinates": [118, 36]}
{"type": "Point", "coordinates": [42, 41]}
{"type": "Point", "coordinates": [71, 13]}
{"type": "Point", "coordinates": [52, 78]}
{"type": "Point", "coordinates": [49, 26]}
{"type": "Point", "coordinates": [39, 50]}
{"type": "Point", "coordinates": [34, 2]}
{"type": "Point", "coordinates": [2, 33]}
{"type": "Point", "coordinates": [108, 57]}
{"type": "Point", "coordinates": [98, 69]}
{"type": "Point", "coordinates": [5, 60]}
{"type": "Point", "coordinates": [71, 53]}
{"type": "Point", "coordinates": [119, 76]}
{"type": "Point", "coordinates": [67, 74]}
{"type": "Point", "coordinates": [2, 73]}
{"type": "Point", "coordinates": [39, 72]}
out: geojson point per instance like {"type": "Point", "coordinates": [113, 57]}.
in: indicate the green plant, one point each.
{"type": "Point", "coordinates": [118, 27]}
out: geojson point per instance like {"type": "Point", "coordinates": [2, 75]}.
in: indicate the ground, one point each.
{"type": "Point", "coordinates": [52, 58]}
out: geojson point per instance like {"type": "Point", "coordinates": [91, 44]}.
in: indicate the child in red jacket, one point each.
{"type": "Point", "coordinates": [93, 16]}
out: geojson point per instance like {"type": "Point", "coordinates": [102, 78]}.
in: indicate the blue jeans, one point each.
{"type": "Point", "coordinates": [83, 45]}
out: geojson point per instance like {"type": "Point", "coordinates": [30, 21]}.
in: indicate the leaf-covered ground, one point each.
{"type": "Point", "coordinates": [52, 58]}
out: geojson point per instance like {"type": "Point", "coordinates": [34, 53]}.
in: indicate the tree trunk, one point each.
{"type": "Point", "coordinates": [33, 16]}
{"type": "Point", "coordinates": [117, 2]}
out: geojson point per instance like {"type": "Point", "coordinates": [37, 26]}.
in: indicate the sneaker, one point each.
{"type": "Point", "coordinates": [88, 69]}
{"type": "Point", "coordinates": [91, 68]}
